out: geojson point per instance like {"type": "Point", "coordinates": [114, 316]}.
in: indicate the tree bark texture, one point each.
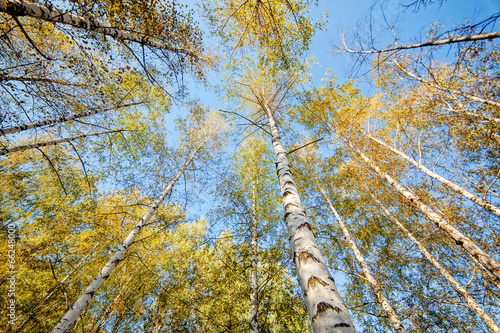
{"type": "Point", "coordinates": [471, 38]}
{"type": "Point", "coordinates": [62, 119]}
{"type": "Point", "coordinates": [465, 242]}
{"type": "Point", "coordinates": [325, 307]}
{"type": "Point", "coordinates": [5, 151]}
{"type": "Point", "coordinates": [18, 8]}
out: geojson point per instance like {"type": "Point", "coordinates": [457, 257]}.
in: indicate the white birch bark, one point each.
{"type": "Point", "coordinates": [377, 290]}
{"type": "Point", "coordinates": [38, 79]}
{"type": "Point", "coordinates": [325, 307]}
{"type": "Point", "coordinates": [471, 38]}
{"type": "Point", "coordinates": [478, 201]}
{"type": "Point", "coordinates": [465, 242]}
{"type": "Point", "coordinates": [5, 151]}
{"type": "Point", "coordinates": [471, 303]}
{"type": "Point", "coordinates": [254, 283]}
{"type": "Point", "coordinates": [20, 8]}
{"type": "Point", "coordinates": [17, 129]}
{"type": "Point", "coordinates": [76, 309]}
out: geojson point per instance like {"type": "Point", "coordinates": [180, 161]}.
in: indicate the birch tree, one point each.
{"type": "Point", "coordinates": [343, 104]}
{"type": "Point", "coordinates": [81, 228]}
{"type": "Point", "coordinates": [469, 299]}
{"type": "Point", "coordinates": [200, 139]}
{"type": "Point", "coordinates": [453, 186]}
{"type": "Point", "coordinates": [382, 299]}
{"type": "Point", "coordinates": [319, 177]}
{"type": "Point", "coordinates": [57, 63]}
{"type": "Point", "coordinates": [248, 207]}
{"type": "Point", "coordinates": [325, 307]}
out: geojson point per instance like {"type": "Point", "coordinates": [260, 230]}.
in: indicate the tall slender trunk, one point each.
{"type": "Point", "coordinates": [382, 299]}
{"type": "Point", "coordinates": [325, 307]}
{"type": "Point", "coordinates": [72, 314]}
{"type": "Point", "coordinates": [5, 151]}
{"type": "Point", "coordinates": [38, 79]}
{"type": "Point", "coordinates": [471, 303]}
{"type": "Point", "coordinates": [16, 129]}
{"type": "Point", "coordinates": [254, 283]}
{"type": "Point", "coordinates": [97, 326]}
{"type": "Point", "coordinates": [486, 274]}
{"type": "Point", "coordinates": [18, 8]}
{"type": "Point", "coordinates": [478, 201]}
{"type": "Point", "coordinates": [465, 242]}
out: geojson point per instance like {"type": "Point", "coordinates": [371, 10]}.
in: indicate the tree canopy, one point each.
{"type": "Point", "coordinates": [182, 168]}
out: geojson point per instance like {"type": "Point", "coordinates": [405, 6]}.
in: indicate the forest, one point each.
{"type": "Point", "coordinates": [249, 166]}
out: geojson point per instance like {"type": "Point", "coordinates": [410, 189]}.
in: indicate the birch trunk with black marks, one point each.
{"type": "Point", "coordinates": [5, 151]}
{"type": "Point", "coordinates": [76, 309]}
{"type": "Point", "coordinates": [38, 79]}
{"type": "Point", "coordinates": [377, 290]}
{"type": "Point", "coordinates": [470, 302]}
{"type": "Point", "coordinates": [478, 201]}
{"type": "Point", "coordinates": [486, 262]}
{"type": "Point", "coordinates": [19, 8]}
{"type": "Point", "coordinates": [254, 283]}
{"type": "Point", "coordinates": [325, 307]}
{"type": "Point", "coordinates": [16, 129]}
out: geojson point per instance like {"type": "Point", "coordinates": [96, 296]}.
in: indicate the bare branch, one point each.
{"type": "Point", "coordinates": [53, 168]}
{"type": "Point", "coordinates": [471, 38]}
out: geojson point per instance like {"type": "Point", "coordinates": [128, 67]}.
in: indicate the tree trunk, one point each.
{"type": "Point", "coordinates": [382, 299]}
{"type": "Point", "coordinates": [478, 201]}
{"type": "Point", "coordinates": [325, 307]}
{"type": "Point", "coordinates": [5, 151]}
{"type": "Point", "coordinates": [38, 79]}
{"type": "Point", "coordinates": [19, 8]}
{"type": "Point", "coordinates": [465, 242]}
{"type": "Point", "coordinates": [74, 312]}
{"type": "Point", "coordinates": [254, 283]}
{"type": "Point", "coordinates": [471, 303]}
{"type": "Point", "coordinates": [16, 129]}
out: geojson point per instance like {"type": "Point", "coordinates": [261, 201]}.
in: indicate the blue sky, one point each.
{"type": "Point", "coordinates": [410, 26]}
{"type": "Point", "coordinates": [344, 16]}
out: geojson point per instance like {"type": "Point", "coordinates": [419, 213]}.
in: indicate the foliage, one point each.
{"type": "Point", "coordinates": [72, 204]}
